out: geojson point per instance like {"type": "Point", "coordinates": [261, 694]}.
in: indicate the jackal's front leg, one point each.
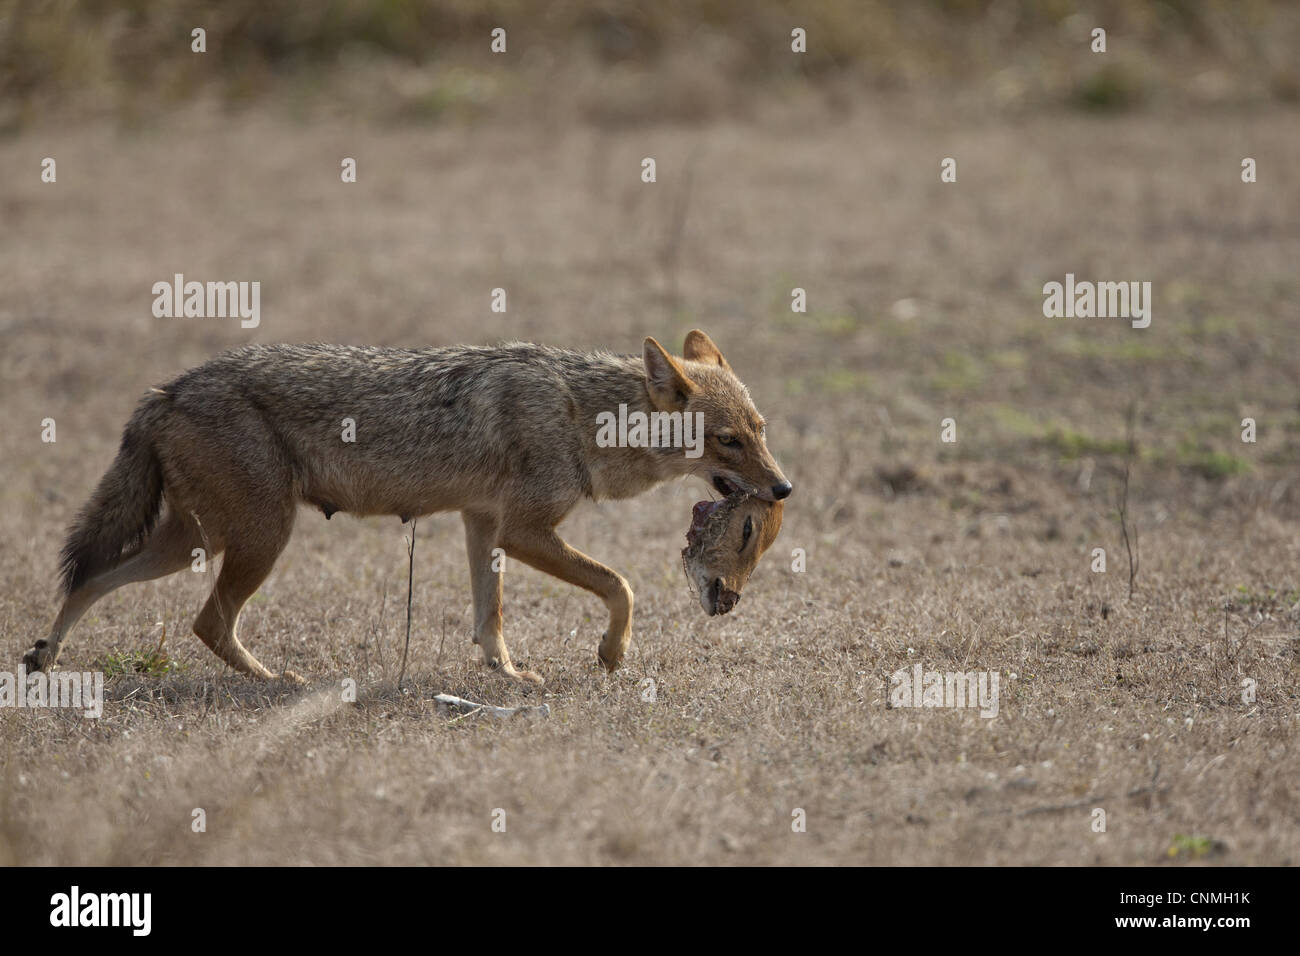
{"type": "Point", "coordinates": [546, 551]}
{"type": "Point", "coordinates": [481, 537]}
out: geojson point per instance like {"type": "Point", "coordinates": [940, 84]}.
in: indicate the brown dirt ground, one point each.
{"type": "Point", "coordinates": [924, 303]}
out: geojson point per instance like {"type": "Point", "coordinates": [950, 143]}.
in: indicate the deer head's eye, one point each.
{"type": "Point", "coordinates": [745, 535]}
{"type": "Point", "coordinates": [729, 441]}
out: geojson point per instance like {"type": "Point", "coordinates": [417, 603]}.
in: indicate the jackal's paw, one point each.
{"type": "Point", "coordinates": [39, 658]}
{"type": "Point", "coordinates": [609, 665]}
{"type": "Point", "coordinates": [509, 670]}
{"type": "Point", "coordinates": [293, 677]}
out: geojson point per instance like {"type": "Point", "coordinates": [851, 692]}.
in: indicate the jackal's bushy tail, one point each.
{"type": "Point", "coordinates": [124, 507]}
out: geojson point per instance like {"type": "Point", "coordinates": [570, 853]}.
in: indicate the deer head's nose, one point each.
{"type": "Point", "coordinates": [726, 598]}
{"type": "Point", "coordinates": [782, 490]}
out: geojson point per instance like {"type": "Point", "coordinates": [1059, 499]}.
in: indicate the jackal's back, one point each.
{"type": "Point", "coordinates": [408, 431]}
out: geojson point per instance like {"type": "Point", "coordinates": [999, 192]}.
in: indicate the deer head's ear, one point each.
{"type": "Point", "coordinates": [664, 378]}
{"type": "Point", "coordinates": [700, 348]}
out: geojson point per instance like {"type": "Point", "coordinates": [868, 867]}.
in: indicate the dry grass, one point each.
{"type": "Point", "coordinates": [924, 303]}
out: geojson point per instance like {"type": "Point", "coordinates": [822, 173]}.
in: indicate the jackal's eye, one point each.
{"type": "Point", "coordinates": [729, 441]}
{"type": "Point", "coordinates": [745, 535]}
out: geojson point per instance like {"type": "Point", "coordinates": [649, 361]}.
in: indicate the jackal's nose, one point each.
{"type": "Point", "coordinates": [782, 490]}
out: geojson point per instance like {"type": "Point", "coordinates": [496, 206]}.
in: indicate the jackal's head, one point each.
{"type": "Point", "coordinates": [734, 456]}
{"type": "Point", "coordinates": [725, 541]}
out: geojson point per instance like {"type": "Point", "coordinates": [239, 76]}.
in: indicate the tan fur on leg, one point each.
{"type": "Point", "coordinates": [481, 537]}
{"type": "Point", "coordinates": [545, 550]}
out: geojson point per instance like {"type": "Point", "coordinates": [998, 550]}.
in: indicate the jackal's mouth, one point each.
{"type": "Point", "coordinates": [725, 486]}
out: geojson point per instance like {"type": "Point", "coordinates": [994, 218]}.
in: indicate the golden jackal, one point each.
{"type": "Point", "coordinates": [512, 437]}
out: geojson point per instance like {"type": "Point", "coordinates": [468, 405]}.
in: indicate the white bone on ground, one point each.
{"type": "Point", "coordinates": [469, 707]}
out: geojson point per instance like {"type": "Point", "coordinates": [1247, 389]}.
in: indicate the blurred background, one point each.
{"type": "Point", "coordinates": [614, 61]}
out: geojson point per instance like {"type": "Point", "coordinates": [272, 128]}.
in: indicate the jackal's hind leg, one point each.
{"type": "Point", "coordinates": [167, 550]}
{"type": "Point", "coordinates": [246, 565]}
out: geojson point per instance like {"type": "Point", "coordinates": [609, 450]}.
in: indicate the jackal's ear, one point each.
{"type": "Point", "coordinates": [665, 379]}
{"type": "Point", "coordinates": [700, 348]}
